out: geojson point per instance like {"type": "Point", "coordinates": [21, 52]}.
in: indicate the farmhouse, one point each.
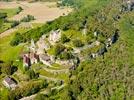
{"type": "Point", "coordinates": [9, 83]}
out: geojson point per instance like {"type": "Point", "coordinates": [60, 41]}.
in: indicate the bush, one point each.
{"type": "Point", "coordinates": [65, 55]}
{"type": "Point", "coordinates": [20, 9]}
{"type": "Point", "coordinates": [7, 68]}
{"type": "Point", "coordinates": [31, 74]}
{"type": "Point", "coordinates": [16, 40]}
{"type": "Point", "coordinates": [64, 38]}
{"type": "Point", "coordinates": [3, 15]}
{"type": "Point", "coordinates": [28, 18]}
{"type": "Point", "coordinates": [77, 43]}
{"type": "Point", "coordinates": [58, 49]}
{"type": "Point", "coordinates": [27, 89]}
{"type": "Point", "coordinates": [15, 23]}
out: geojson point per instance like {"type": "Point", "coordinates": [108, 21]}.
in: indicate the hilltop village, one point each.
{"type": "Point", "coordinates": [49, 55]}
{"type": "Point", "coordinates": [39, 51]}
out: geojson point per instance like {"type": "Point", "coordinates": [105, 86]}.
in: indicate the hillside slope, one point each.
{"type": "Point", "coordinates": [103, 33]}
{"type": "Point", "coordinates": [111, 77]}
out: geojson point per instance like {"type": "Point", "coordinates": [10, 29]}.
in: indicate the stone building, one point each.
{"type": "Point", "coordinates": [9, 83]}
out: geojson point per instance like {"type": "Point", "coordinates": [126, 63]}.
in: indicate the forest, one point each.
{"type": "Point", "coordinates": [109, 77]}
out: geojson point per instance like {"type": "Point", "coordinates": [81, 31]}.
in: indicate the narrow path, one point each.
{"type": "Point", "coordinates": [43, 92]}
{"type": "Point", "coordinates": [7, 32]}
{"type": "Point", "coordinates": [25, 25]}
{"type": "Point", "coordinates": [56, 71]}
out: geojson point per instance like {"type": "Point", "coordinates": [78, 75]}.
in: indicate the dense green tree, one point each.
{"type": "Point", "coordinates": [41, 97]}
{"type": "Point", "coordinates": [17, 39]}
{"type": "Point", "coordinates": [65, 55]}
{"type": "Point", "coordinates": [6, 68]}
{"type": "Point", "coordinates": [31, 74]}
{"type": "Point", "coordinates": [19, 10]}
{"type": "Point", "coordinates": [28, 18]}
{"type": "Point", "coordinates": [64, 38]}
{"type": "Point", "coordinates": [15, 23]}
{"type": "Point", "coordinates": [3, 15]}
{"type": "Point", "coordinates": [58, 49]}
{"type": "Point", "coordinates": [77, 43]}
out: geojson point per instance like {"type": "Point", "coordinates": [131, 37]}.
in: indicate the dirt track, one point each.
{"type": "Point", "coordinates": [8, 32]}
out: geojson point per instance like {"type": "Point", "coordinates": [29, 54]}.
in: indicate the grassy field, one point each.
{"type": "Point", "coordinates": [7, 52]}
{"type": "Point", "coordinates": [10, 12]}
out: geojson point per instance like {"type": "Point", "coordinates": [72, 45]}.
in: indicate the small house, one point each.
{"type": "Point", "coordinates": [9, 83]}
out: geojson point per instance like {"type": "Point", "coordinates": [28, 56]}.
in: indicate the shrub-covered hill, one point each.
{"type": "Point", "coordinates": [110, 78]}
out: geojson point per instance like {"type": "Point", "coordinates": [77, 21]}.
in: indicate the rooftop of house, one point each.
{"type": "Point", "coordinates": [9, 80]}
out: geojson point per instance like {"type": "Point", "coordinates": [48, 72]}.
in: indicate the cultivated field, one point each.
{"type": "Point", "coordinates": [42, 11]}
